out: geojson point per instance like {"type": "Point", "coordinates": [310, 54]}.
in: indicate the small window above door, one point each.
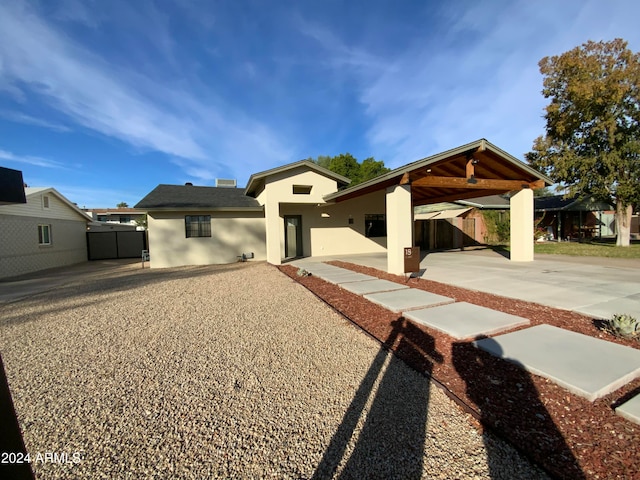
{"type": "Point", "coordinates": [302, 189]}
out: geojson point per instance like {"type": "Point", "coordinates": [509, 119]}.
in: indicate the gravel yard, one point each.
{"type": "Point", "coordinates": [225, 371]}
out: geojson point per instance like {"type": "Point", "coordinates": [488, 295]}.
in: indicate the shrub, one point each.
{"type": "Point", "coordinates": [623, 325]}
{"type": "Point", "coordinates": [302, 272]}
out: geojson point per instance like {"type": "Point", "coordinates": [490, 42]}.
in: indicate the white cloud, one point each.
{"type": "Point", "coordinates": [20, 117]}
{"type": "Point", "coordinates": [127, 105]}
{"type": "Point", "coordinates": [31, 160]}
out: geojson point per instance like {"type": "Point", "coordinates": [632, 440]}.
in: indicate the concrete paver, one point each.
{"type": "Point", "coordinates": [343, 277]}
{"type": "Point", "coordinates": [630, 409]}
{"type": "Point", "coordinates": [464, 320]}
{"type": "Point", "coordinates": [584, 365]}
{"type": "Point", "coordinates": [372, 286]}
{"type": "Point", "coordinates": [409, 299]}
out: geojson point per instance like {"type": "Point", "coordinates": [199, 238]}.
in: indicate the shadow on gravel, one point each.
{"type": "Point", "coordinates": [391, 440]}
{"type": "Point", "coordinates": [12, 447]}
{"type": "Point", "coordinates": [520, 417]}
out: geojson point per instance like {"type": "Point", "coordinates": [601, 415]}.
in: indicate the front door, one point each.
{"type": "Point", "coordinates": [292, 236]}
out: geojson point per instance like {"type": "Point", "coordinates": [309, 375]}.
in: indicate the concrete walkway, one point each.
{"type": "Point", "coordinates": [560, 355]}
{"type": "Point", "coordinates": [597, 287]}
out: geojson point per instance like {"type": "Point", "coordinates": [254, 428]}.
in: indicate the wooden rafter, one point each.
{"type": "Point", "coordinates": [476, 183]}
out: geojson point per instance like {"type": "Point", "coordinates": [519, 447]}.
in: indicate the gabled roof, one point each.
{"type": "Point", "coordinates": [33, 191]}
{"type": "Point", "coordinates": [559, 202]}
{"type": "Point", "coordinates": [172, 197]}
{"type": "Point", "coordinates": [256, 181]}
{"type": "Point", "coordinates": [491, 166]}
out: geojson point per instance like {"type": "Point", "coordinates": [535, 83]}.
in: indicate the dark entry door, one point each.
{"type": "Point", "coordinates": [292, 236]}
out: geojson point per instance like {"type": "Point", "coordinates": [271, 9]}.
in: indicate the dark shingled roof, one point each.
{"type": "Point", "coordinates": [188, 196]}
{"type": "Point", "coordinates": [556, 202]}
{"type": "Point", "coordinates": [571, 204]}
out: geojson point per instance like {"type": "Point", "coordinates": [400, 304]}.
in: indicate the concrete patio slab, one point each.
{"type": "Point", "coordinates": [373, 286]}
{"type": "Point", "coordinates": [630, 409]}
{"type": "Point", "coordinates": [629, 305]}
{"type": "Point", "coordinates": [584, 365]}
{"type": "Point", "coordinates": [464, 320]}
{"type": "Point", "coordinates": [408, 299]}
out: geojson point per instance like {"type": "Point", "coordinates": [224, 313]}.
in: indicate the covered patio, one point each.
{"type": "Point", "coordinates": [472, 170]}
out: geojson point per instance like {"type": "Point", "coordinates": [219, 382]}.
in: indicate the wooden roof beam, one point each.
{"type": "Point", "coordinates": [476, 183]}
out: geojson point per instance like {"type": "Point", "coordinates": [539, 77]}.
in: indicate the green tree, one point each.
{"type": "Point", "coordinates": [122, 205]}
{"type": "Point", "coordinates": [592, 140]}
{"type": "Point", "coordinates": [347, 165]}
{"type": "Point", "coordinates": [371, 168]}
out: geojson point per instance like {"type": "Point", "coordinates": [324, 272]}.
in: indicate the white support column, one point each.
{"type": "Point", "coordinates": [273, 227]}
{"type": "Point", "coordinates": [399, 226]}
{"type": "Point", "coordinates": [522, 226]}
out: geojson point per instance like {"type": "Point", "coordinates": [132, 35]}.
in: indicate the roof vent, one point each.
{"type": "Point", "coordinates": [188, 184]}
{"type": "Point", "coordinates": [221, 182]}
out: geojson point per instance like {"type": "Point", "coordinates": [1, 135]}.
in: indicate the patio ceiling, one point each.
{"type": "Point", "coordinates": [473, 170]}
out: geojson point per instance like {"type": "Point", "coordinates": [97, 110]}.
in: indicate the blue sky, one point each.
{"type": "Point", "coordinates": [105, 99]}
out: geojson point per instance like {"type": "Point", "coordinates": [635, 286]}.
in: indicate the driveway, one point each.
{"type": "Point", "coordinates": [597, 287]}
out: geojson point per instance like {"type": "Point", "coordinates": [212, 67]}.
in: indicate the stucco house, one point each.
{"type": "Point", "coordinates": [45, 232]}
{"type": "Point", "coordinates": [302, 209]}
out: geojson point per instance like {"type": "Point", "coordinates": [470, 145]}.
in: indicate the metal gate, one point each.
{"type": "Point", "coordinates": [108, 245]}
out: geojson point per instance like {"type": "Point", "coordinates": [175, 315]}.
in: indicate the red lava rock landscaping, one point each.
{"type": "Point", "coordinates": [565, 434]}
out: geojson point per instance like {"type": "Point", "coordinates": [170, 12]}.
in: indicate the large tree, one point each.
{"type": "Point", "coordinates": [348, 166]}
{"type": "Point", "coordinates": [592, 140]}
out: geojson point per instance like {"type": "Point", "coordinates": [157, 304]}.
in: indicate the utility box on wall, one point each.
{"type": "Point", "coordinates": [411, 259]}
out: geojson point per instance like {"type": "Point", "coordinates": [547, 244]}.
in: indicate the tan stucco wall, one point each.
{"type": "Point", "coordinates": [20, 252]}
{"type": "Point", "coordinates": [232, 233]}
{"type": "Point", "coordinates": [332, 234]}
{"type": "Point", "coordinates": [280, 186]}
{"type": "Point", "coordinates": [278, 197]}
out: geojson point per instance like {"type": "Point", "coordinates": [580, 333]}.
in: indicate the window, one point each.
{"type": "Point", "coordinates": [45, 202]}
{"type": "Point", "coordinates": [125, 219]}
{"type": "Point", "coordinates": [375, 226]}
{"type": "Point", "coordinates": [302, 189]}
{"type": "Point", "coordinates": [103, 218]}
{"type": "Point", "coordinates": [197, 225]}
{"type": "Point", "coordinates": [44, 234]}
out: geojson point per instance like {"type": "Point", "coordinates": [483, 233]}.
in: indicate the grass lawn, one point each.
{"type": "Point", "coordinates": [590, 248]}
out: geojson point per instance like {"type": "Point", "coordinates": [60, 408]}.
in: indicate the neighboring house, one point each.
{"type": "Point", "coordinates": [573, 218]}
{"type": "Point", "coordinates": [47, 231]}
{"type": "Point", "coordinates": [120, 216]}
{"type": "Point", "coordinates": [456, 224]}
{"type": "Point", "coordinates": [302, 209]}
